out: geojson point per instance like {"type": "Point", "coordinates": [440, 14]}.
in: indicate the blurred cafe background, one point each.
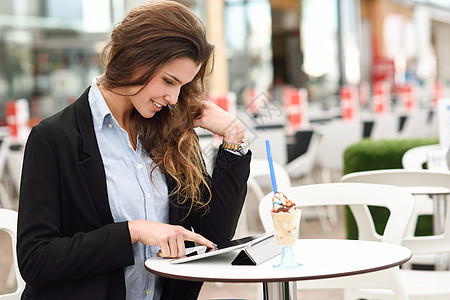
{"type": "Point", "coordinates": [312, 76]}
{"type": "Point", "coordinates": [49, 50]}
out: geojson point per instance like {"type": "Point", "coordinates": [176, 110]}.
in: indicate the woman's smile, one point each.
{"type": "Point", "coordinates": [158, 106]}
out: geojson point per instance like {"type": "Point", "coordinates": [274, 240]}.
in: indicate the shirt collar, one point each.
{"type": "Point", "coordinates": [100, 110]}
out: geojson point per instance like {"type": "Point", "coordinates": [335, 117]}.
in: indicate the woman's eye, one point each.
{"type": "Point", "coordinates": [168, 82]}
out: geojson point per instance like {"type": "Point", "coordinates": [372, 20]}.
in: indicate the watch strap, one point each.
{"type": "Point", "coordinates": [241, 147]}
{"type": "Point", "coordinates": [231, 146]}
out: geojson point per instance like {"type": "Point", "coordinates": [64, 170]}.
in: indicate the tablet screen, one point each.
{"type": "Point", "coordinates": [238, 241]}
{"type": "Point", "coordinates": [202, 252]}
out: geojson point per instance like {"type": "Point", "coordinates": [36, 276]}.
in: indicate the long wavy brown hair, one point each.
{"type": "Point", "coordinates": [150, 36]}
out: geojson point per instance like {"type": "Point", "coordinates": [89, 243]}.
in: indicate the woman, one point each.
{"type": "Point", "coordinates": [118, 176]}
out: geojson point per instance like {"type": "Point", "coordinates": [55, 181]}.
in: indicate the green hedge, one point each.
{"type": "Point", "coordinates": [375, 155]}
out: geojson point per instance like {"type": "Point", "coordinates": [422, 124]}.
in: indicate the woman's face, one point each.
{"type": "Point", "coordinates": [164, 87]}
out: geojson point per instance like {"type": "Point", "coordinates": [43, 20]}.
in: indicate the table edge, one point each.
{"type": "Point", "coordinates": [280, 279]}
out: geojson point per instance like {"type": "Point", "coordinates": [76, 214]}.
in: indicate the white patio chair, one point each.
{"type": "Point", "coordinates": [208, 145]}
{"type": "Point", "coordinates": [408, 179]}
{"type": "Point", "coordinates": [415, 125]}
{"type": "Point", "coordinates": [243, 226]}
{"type": "Point", "coordinates": [433, 126]}
{"type": "Point", "coordinates": [276, 134]}
{"type": "Point", "coordinates": [258, 181]}
{"type": "Point", "coordinates": [429, 285]}
{"type": "Point", "coordinates": [358, 196]}
{"type": "Point", "coordinates": [14, 160]}
{"type": "Point", "coordinates": [260, 176]}
{"type": "Point", "coordinates": [259, 169]}
{"type": "Point", "coordinates": [8, 223]}
{"type": "Point", "coordinates": [302, 166]}
{"type": "Point", "coordinates": [385, 127]}
{"type": "Point", "coordinates": [5, 143]}
{"type": "Point", "coordinates": [415, 158]}
{"type": "Point", "coordinates": [336, 136]}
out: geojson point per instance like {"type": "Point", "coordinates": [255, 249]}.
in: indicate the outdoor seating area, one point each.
{"type": "Point", "coordinates": [317, 158]}
{"type": "Point", "coordinates": [420, 167]}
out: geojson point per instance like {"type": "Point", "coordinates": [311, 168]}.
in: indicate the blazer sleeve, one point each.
{"type": "Point", "coordinates": [49, 253]}
{"type": "Point", "coordinates": [228, 188]}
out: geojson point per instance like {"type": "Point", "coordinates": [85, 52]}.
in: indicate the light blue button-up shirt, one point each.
{"type": "Point", "coordinates": [132, 193]}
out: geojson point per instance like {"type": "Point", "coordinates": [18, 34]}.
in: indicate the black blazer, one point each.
{"type": "Point", "coordinates": [68, 244]}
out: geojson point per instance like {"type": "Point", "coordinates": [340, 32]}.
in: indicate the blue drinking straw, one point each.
{"type": "Point", "coordinates": [272, 172]}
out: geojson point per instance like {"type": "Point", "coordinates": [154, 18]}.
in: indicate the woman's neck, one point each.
{"type": "Point", "coordinates": [121, 109]}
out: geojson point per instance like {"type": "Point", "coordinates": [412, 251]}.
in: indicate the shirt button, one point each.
{"type": "Point", "coordinates": [148, 291]}
{"type": "Point", "coordinates": [148, 196]}
{"type": "Point", "coordinates": [139, 166]}
{"type": "Point", "coordinates": [110, 125]}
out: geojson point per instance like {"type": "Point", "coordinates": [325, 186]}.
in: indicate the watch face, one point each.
{"type": "Point", "coordinates": [245, 146]}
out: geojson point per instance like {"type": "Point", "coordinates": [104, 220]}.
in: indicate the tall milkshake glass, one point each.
{"type": "Point", "coordinates": [286, 226]}
{"type": "Point", "coordinates": [286, 219]}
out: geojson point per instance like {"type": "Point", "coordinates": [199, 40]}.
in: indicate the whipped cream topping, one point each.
{"type": "Point", "coordinates": [280, 203]}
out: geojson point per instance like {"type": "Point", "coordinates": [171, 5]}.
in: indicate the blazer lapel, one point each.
{"type": "Point", "coordinates": [90, 160]}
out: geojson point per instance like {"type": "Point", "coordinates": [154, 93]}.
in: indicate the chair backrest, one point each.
{"type": "Point", "coordinates": [259, 170]}
{"type": "Point", "coordinates": [385, 127]}
{"type": "Point", "coordinates": [358, 196]}
{"type": "Point", "coordinates": [303, 164]}
{"type": "Point", "coordinates": [8, 223]}
{"type": "Point", "coordinates": [14, 165]}
{"type": "Point", "coordinates": [416, 124]}
{"type": "Point", "coordinates": [209, 149]}
{"type": "Point", "coordinates": [336, 137]}
{"type": "Point", "coordinates": [410, 179]}
{"type": "Point", "coordinates": [415, 158]}
{"type": "Point", "coordinates": [433, 126]}
{"type": "Point", "coordinates": [276, 134]}
{"type": "Point", "coordinates": [5, 143]}
{"type": "Point", "coordinates": [258, 180]}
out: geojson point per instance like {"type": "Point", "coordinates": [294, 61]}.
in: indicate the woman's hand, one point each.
{"type": "Point", "coordinates": [220, 122]}
{"type": "Point", "coordinates": [170, 238]}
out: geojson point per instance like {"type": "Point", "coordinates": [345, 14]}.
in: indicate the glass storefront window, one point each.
{"type": "Point", "coordinates": [248, 39]}
{"type": "Point", "coordinates": [319, 34]}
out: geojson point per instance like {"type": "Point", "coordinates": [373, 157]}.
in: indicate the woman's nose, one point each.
{"type": "Point", "coordinates": [172, 98]}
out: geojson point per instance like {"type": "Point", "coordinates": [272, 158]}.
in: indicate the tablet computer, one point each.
{"type": "Point", "coordinates": [200, 252]}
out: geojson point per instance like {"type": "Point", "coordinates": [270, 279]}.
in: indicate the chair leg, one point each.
{"type": "Point", "coordinates": [323, 218]}
{"type": "Point", "coordinates": [332, 214]}
{"type": "Point", "coordinates": [400, 291]}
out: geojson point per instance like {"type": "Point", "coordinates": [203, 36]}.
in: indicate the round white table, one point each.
{"type": "Point", "coordinates": [321, 258]}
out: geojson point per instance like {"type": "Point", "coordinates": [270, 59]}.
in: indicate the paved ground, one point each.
{"type": "Point", "coordinates": [250, 291]}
